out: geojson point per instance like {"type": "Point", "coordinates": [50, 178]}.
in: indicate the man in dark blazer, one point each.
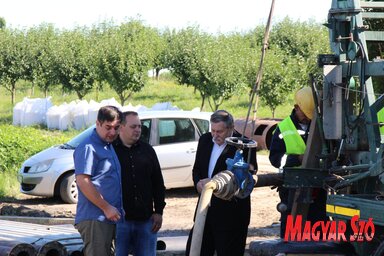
{"type": "Point", "coordinates": [227, 221]}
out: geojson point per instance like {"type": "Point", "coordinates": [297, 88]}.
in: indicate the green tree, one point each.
{"type": "Point", "coordinates": [213, 65]}
{"type": "Point", "coordinates": [42, 45]}
{"type": "Point", "coordinates": [13, 61]}
{"type": "Point", "coordinates": [186, 53]}
{"type": "Point", "coordinates": [302, 42]}
{"type": "Point", "coordinates": [278, 80]}
{"type": "Point", "coordinates": [291, 58]}
{"type": "Point", "coordinates": [222, 68]}
{"type": "Point", "coordinates": [2, 23]}
{"type": "Point", "coordinates": [128, 55]}
{"type": "Point", "coordinates": [75, 61]}
{"type": "Point", "coordinates": [375, 50]}
{"type": "Point", "coordinates": [162, 52]}
{"type": "Point", "coordinates": [97, 35]}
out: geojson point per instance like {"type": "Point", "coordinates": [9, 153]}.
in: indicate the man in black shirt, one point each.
{"type": "Point", "coordinates": [143, 190]}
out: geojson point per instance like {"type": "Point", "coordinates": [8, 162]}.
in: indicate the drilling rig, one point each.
{"type": "Point", "coordinates": [350, 119]}
{"type": "Point", "coordinates": [345, 150]}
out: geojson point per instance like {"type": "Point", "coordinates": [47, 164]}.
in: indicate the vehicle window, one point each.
{"type": "Point", "coordinates": [73, 143]}
{"type": "Point", "coordinates": [175, 130]}
{"type": "Point", "coordinates": [145, 130]}
{"type": "Point", "coordinates": [202, 125]}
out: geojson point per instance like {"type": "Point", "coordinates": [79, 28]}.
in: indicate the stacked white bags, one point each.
{"type": "Point", "coordinates": [31, 111]}
{"type": "Point", "coordinates": [58, 117]}
{"type": "Point", "coordinates": [78, 114]}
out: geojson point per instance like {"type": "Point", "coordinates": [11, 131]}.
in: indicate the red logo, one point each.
{"type": "Point", "coordinates": [328, 230]}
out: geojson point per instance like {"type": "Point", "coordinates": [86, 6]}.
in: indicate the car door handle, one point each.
{"type": "Point", "coordinates": [191, 150]}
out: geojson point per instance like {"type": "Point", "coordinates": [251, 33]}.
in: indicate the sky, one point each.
{"type": "Point", "coordinates": [210, 15]}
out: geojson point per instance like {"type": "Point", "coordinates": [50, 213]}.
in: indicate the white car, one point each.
{"type": "Point", "coordinates": [173, 134]}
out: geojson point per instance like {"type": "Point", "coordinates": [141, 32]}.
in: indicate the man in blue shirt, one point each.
{"type": "Point", "coordinates": [97, 171]}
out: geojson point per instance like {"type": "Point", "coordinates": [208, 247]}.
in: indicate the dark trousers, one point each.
{"type": "Point", "coordinates": [316, 211]}
{"type": "Point", "coordinates": [98, 237]}
{"type": "Point", "coordinates": [286, 197]}
{"type": "Point", "coordinates": [224, 242]}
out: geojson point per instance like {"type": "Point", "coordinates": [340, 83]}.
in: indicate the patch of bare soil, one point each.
{"type": "Point", "coordinates": [178, 213]}
{"type": "Point", "coordinates": [37, 207]}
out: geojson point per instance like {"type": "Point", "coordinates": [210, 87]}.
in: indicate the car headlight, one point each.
{"type": "Point", "coordinates": [41, 167]}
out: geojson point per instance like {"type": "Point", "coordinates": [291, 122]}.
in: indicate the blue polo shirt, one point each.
{"type": "Point", "coordinates": [96, 158]}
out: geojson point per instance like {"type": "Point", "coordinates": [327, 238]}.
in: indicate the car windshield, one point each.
{"type": "Point", "coordinates": [73, 143]}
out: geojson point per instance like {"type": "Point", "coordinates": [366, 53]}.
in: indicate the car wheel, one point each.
{"type": "Point", "coordinates": [68, 189]}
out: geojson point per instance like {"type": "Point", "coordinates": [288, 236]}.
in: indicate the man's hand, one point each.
{"type": "Point", "coordinates": [201, 183]}
{"type": "Point", "coordinates": [157, 221]}
{"type": "Point", "coordinates": [111, 213]}
{"type": "Point", "coordinates": [301, 157]}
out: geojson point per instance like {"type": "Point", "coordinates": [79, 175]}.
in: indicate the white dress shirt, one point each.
{"type": "Point", "coordinates": [216, 152]}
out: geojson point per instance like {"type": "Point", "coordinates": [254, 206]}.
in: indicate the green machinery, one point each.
{"type": "Point", "coordinates": [345, 150]}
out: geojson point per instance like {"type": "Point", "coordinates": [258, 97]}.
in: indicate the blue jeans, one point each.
{"type": "Point", "coordinates": [135, 237]}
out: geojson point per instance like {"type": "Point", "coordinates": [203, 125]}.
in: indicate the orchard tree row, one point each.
{"type": "Point", "coordinates": [217, 66]}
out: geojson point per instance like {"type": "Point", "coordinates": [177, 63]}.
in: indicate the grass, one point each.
{"type": "Point", "coordinates": [164, 90]}
{"type": "Point", "coordinates": [7, 180]}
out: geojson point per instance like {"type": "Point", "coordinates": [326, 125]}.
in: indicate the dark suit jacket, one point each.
{"type": "Point", "coordinates": [222, 214]}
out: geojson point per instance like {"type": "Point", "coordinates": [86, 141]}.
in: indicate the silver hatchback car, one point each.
{"type": "Point", "coordinates": [173, 134]}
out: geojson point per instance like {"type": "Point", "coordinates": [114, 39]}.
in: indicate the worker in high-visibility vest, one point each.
{"type": "Point", "coordinates": [288, 141]}
{"type": "Point", "coordinates": [380, 118]}
{"type": "Point", "coordinates": [287, 150]}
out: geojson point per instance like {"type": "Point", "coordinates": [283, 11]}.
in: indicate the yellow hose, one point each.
{"type": "Point", "coordinates": [201, 214]}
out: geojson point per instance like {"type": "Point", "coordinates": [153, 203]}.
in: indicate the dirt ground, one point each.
{"type": "Point", "coordinates": [178, 213]}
